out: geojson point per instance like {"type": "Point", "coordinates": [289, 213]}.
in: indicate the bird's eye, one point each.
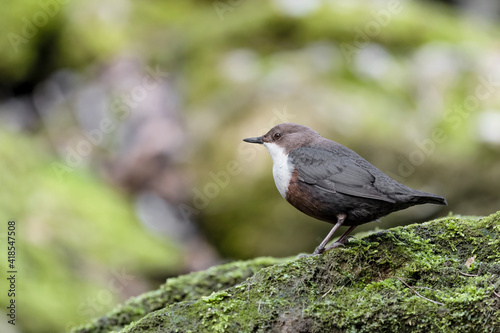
{"type": "Point", "coordinates": [277, 135]}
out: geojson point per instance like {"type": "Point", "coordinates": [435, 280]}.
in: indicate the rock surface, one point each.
{"type": "Point", "coordinates": [370, 285]}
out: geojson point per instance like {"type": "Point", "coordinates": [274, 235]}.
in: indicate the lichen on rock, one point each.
{"type": "Point", "coordinates": [362, 287]}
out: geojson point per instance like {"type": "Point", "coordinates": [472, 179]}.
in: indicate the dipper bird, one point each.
{"type": "Point", "coordinates": [332, 183]}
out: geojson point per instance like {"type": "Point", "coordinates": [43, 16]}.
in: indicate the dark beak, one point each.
{"type": "Point", "coordinates": [254, 140]}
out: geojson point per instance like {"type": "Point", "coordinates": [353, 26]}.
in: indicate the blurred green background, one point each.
{"type": "Point", "coordinates": [121, 122]}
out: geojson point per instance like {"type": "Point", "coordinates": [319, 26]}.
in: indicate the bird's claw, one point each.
{"type": "Point", "coordinates": [319, 250]}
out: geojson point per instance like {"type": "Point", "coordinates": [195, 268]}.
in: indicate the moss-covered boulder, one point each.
{"type": "Point", "coordinates": [180, 289]}
{"type": "Point", "coordinates": [442, 275]}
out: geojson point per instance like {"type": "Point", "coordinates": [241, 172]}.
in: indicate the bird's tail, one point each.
{"type": "Point", "coordinates": [424, 197]}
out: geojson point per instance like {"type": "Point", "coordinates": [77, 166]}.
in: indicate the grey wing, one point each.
{"type": "Point", "coordinates": [332, 173]}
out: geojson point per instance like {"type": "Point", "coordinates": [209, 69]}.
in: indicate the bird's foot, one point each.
{"type": "Point", "coordinates": [334, 245]}
{"type": "Point", "coordinates": [340, 242]}
{"type": "Point", "coordinates": [316, 252]}
{"type": "Point", "coordinates": [319, 250]}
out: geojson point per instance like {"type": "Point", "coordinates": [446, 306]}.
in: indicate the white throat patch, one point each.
{"type": "Point", "coordinates": [282, 170]}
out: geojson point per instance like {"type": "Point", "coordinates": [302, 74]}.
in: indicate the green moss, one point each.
{"type": "Point", "coordinates": [357, 288]}
{"type": "Point", "coordinates": [198, 285]}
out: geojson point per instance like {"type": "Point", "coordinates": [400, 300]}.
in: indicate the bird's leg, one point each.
{"type": "Point", "coordinates": [321, 248]}
{"type": "Point", "coordinates": [343, 239]}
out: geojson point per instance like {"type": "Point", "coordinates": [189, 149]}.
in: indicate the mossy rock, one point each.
{"type": "Point", "coordinates": [180, 289]}
{"type": "Point", "coordinates": [452, 263]}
